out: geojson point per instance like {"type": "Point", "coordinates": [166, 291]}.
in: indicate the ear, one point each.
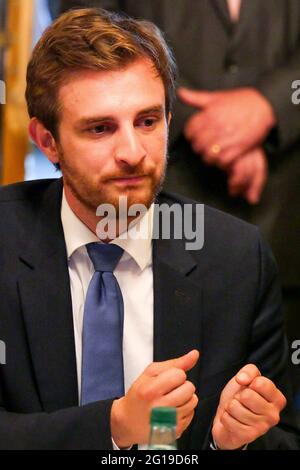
{"type": "Point", "coordinates": [44, 140]}
{"type": "Point", "coordinates": [169, 117]}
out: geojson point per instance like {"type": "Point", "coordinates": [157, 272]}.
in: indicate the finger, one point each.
{"type": "Point", "coordinates": [195, 126]}
{"type": "Point", "coordinates": [268, 390]}
{"type": "Point", "coordinates": [184, 409]}
{"type": "Point", "coordinates": [241, 434]}
{"type": "Point", "coordinates": [253, 401]}
{"type": "Point", "coordinates": [205, 142]}
{"type": "Point", "coordinates": [247, 374]}
{"type": "Point", "coordinates": [235, 427]}
{"type": "Point", "coordinates": [184, 424]}
{"type": "Point", "coordinates": [257, 185]}
{"type": "Point", "coordinates": [195, 98]}
{"type": "Point", "coordinates": [187, 408]}
{"type": "Point", "coordinates": [263, 422]}
{"type": "Point", "coordinates": [179, 396]}
{"type": "Point", "coordinates": [185, 362]}
{"type": "Point", "coordinates": [239, 175]}
{"type": "Point", "coordinates": [163, 383]}
{"type": "Point", "coordinates": [242, 414]}
{"type": "Point", "coordinates": [213, 149]}
{"type": "Point", "coordinates": [238, 184]}
{"type": "Point", "coordinates": [230, 153]}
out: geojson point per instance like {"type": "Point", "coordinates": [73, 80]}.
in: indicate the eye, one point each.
{"type": "Point", "coordinates": [101, 129]}
{"type": "Point", "coordinates": [147, 122]}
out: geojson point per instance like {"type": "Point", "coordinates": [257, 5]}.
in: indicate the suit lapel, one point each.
{"type": "Point", "coordinates": [248, 13]}
{"type": "Point", "coordinates": [221, 9]}
{"type": "Point", "coordinates": [248, 10]}
{"type": "Point", "coordinates": [177, 302]}
{"type": "Point", "coordinates": [177, 306]}
{"type": "Point", "coordinates": [47, 307]}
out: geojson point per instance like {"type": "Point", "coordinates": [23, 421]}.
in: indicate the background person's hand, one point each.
{"type": "Point", "coordinates": [249, 406]}
{"type": "Point", "coordinates": [247, 176]}
{"type": "Point", "coordinates": [228, 123]}
{"type": "Point", "coordinates": [161, 384]}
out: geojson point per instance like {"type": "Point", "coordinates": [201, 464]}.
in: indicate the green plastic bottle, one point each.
{"type": "Point", "coordinates": [163, 429]}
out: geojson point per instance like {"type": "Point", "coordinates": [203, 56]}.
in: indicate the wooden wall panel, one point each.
{"type": "Point", "coordinates": [15, 119]}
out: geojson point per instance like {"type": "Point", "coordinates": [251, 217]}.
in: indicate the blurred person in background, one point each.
{"type": "Point", "coordinates": [235, 132]}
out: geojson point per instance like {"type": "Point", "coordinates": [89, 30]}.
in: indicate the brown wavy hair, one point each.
{"type": "Point", "coordinates": [95, 39]}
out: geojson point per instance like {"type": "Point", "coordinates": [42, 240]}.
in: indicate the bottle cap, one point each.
{"type": "Point", "coordinates": [163, 415]}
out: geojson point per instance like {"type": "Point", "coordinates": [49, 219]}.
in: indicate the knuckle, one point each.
{"type": "Point", "coordinates": [231, 406]}
{"type": "Point", "coordinates": [151, 368]}
{"type": "Point", "coordinates": [225, 419]}
{"type": "Point", "coordinates": [263, 428]}
{"type": "Point", "coordinates": [252, 368]}
{"type": "Point", "coordinates": [181, 375]}
{"type": "Point", "coordinates": [282, 402]}
{"type": "Point", "coordinates": [246, 395]}
{"type": "Point", "coordinates": [145, 393]}
{"type": "Point", "coordinates": [252, 434]}
{"type": "Point", "coordinates": [222, 418]}
{"type": "Point", "coordinates": [186, 421]}
{"type": "Point", "coordinates": [230, 424]}
{"type": "Point", "coordinates": [166, 402]}
{"type": "Point", "coordinates": [259, 383]}
{"type": "Point", "coordinates": [191, 387]}
{"type": "Point", "coordinates": [195, 400]}
{"type": "Point", "coordinates": [274, 418]}
{"type": "Point", "coordinates": [177, 374]}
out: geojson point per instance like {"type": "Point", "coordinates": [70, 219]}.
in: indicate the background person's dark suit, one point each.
{"type": "Point", "coordinates": [223, 300]}
{"type": "Point", "coordinates": [263, 51]}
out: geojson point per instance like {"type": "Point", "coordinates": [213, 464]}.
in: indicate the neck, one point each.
{"type": "Point", "coordinates": [88, 217]}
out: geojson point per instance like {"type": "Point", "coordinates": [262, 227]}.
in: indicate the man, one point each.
{"type": "Point", "coordinates": [234, 136]}
{"type": "Point", "coordinates": [99, 94]}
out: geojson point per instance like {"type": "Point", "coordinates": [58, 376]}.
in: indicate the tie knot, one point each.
{"type": "Point", "coordinates": [105, 257]}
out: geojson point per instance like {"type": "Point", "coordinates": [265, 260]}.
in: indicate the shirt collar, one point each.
{"type": "Point", "coordinates": [137, 245]}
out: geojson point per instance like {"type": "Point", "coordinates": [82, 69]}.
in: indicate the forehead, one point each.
{"type": "Point", "coordinates": [123, 91]}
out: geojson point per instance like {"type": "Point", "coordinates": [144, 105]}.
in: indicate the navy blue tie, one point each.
{"type": "Point", "coordinates": [102, 356]}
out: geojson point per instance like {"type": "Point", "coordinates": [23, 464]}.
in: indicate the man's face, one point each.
{"type": "Point", "coordinates": [113, 135]}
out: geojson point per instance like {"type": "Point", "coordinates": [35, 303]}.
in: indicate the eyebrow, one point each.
{"type": "Point", "coordinates": [159, 109]}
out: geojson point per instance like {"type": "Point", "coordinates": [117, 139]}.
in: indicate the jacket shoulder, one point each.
{"type": "Point", "coordinates": [25, 190]}
{"type": "Point", "coordinates": [217, 223]}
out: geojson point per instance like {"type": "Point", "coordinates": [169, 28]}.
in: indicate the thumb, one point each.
{"type": "Point", "coordinates": [247, 374]}
{"type": "Point", "coordinates": [238, 382]}
{"type": "Point", "coordinates": [195, 98]}
{"type": "Point", "coordinates": [186, 363]}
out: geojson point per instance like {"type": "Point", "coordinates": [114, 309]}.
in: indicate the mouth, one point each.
{"type": "Point", "coordinates": [129, 180]}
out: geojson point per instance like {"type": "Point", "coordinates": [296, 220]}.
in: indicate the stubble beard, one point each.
{"type": "Point", "coordinates": [91, 194]}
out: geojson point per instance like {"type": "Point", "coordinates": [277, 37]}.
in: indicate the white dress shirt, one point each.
{"type": "Point", "coordinates": [135, 277]}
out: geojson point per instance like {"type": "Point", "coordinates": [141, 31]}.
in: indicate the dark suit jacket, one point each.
{"type": "Point", "coordinates": [262, 51]}
{"type": "Point", "coordinates": [223, 300]}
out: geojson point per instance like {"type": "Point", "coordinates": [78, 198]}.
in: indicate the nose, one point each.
{"type": "Point", "coordinates": [129, 148]}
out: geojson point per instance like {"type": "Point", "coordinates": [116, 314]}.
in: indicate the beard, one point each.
{"type": "Point", "coordinates": [92, 191]}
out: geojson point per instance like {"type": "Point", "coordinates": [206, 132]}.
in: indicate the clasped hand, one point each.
{"type": "Point", "coordinates": [228, 130]}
